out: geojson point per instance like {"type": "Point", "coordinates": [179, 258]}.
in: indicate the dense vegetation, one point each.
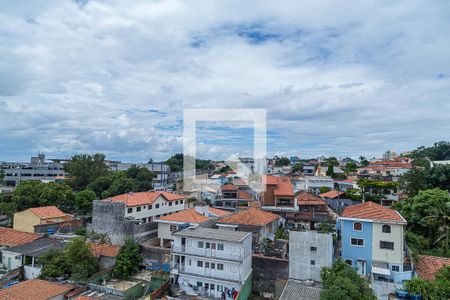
{"type": "Point", "coordinates": [437, 289]}
{"type": "Point", "coordinates": [128, 259]}
{"type": "Point", "coordinates": [175, 162]}
{"type": "Point", "coordinates": [340, 282]}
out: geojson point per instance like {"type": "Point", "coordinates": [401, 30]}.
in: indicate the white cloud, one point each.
{"type": "Point", "coordinates": [339, 78]}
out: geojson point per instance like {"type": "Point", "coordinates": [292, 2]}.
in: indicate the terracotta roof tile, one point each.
{"type": "Point", "coordinates": [427, 266]}
{"type": "Point", "coordinates": [244, 195]}
{"type": "Point", "coordinates": [35, 289]}
{"type": "Point", "coordinates": [10, 237]}
{"type": "Point", "coordinates": [104, 250]}
{"type": "Point", "coordinates": [306, 198]}
{"type": "Point", "coordinates": [372, 211]}
{"type": "Point", "coordinates": [48, 212]}
{"type": "Point", "coordinates": [218, 212]}
{"type": "Point", "coordinates": [252, 216]}
{"type": "Point", "coordinates": [229, 187]}
{"type": "Point", "coordinates": [331, 194]}
{"type": "Point", "coordinates": [185, 216]}
{"type": "Point", "coordinates": [283, 185]}
{"type": "Point", "coordinates": [143, 198]}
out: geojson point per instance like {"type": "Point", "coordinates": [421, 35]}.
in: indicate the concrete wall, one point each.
{"type": "Point", "coordinates": [11, 260]}
{"type": "Point", "coordinates": [353, 252]}
{"type": "Point", "coordinates": [25, 221]}
{"type": "Point", "coordinates": [109, 217]}
{"type": "Point", "coordinates": [270, 274]}
{"type": "Point", "coordinates": [305, 263]}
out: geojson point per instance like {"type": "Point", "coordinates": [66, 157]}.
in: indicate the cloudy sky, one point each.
{"type": "Point", "coordinates": [336, 78]}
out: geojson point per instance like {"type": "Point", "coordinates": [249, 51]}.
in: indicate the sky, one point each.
{"type": "Point", "coordinates": [339, 78]}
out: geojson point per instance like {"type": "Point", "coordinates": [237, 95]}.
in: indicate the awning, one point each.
{"type": "Point", "coordinates": [383, 271]}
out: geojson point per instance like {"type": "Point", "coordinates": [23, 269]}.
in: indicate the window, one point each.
{"type": "Point", "coordinates": [206, 264]}
{"type": "Point", "coordinates": [176, 202]}
{"type": "Point", "coordinates": [220, 267]}
{"type": "Point", "coordinates": [220, 247]}
{"type": "Point", "coordinates": [170, 203]}
{"type": "Point", "coordinates": [395, 268]}
{"type": "Point", "coordinates": [387, 245]}
{"type": "Point", "coordinates": [199, 284]}
{"type": "Point", "coordinates": [212, 286]}
{"type": "Point", "coordinates": [144, 220]}
{"type": "Point", "coordinates": [208, 245]}
{"type": "Point", "coordinates": [357, 242]}
{"type": "Point", "coordinates": [173, 227]}
{"type": "Point", "coordinates": [138, 208]}
{"type": "Point", "coordinates": [150, 207]}
{"type": "Point", "coordinates": [149, 219]}
{"type": "Point", "coordinates": [313, 262]}
{"type": "Point", "coordinates": [206, 286]}
{"type": "Point", "coordinates": [313, 248]}
{"type": "Point", "coordinates": [349, 262]}
{"type": "Point", "coordinates": [130, 210]}
{"type": "Point", "coordinates": [357, 226]}
{"type": "Point", "coordinates": [386, 228]}
{"type": "Point", "coordinates": [213, 246]}
{"type": "Point", "coordinates": [181, 201]}
{"type": "Point", "coordinates": [213, 265]}
{"type": "Point", "coordinates": [157, 206]}
{"type": "Point", "coordinates": [190, 261]}
{"type": "Point", "coordinates": [200, 245]}
{"type": "Point", "coordinates": [199, 264]}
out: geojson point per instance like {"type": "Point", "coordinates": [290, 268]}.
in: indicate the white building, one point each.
{"type": "Point", "coordinates": [148, 206]}
{"type": "Point", "coordinates": [312, 183]}
{"type": "Point", "coordinates": [212, 262]}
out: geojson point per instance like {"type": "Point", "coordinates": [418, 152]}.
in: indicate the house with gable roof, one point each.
{"type": "Point", "coordinates": [373, 242]}
{"type": "Point", "coordinates": [27, 220]}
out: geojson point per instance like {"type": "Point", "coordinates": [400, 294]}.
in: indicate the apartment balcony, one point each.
{"type": "Point", "coordinates": [207, 253]}
{"type": "Point", "coordinates": [214, 274]}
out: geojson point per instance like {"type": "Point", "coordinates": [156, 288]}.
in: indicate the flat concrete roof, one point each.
{"type": "Point", "coordinates": [214, 234]}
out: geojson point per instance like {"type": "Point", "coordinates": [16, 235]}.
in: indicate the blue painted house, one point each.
{"type": "Point", "coordinates": [372, 242]}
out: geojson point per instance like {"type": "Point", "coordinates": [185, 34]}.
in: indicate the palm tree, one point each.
{"type": "Point", "coordinates": [439, 218]}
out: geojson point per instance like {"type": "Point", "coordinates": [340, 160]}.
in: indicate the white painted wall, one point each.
{"type": "Point", "coordinates": [396, 236]}
{"type": "Point", "coordinates": [16, 259]}
{"type": "Point", "coordinates": [164, 208]}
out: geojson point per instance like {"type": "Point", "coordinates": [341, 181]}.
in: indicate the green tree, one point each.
{"type": "Point", "coordinates": [83, 201]}
{"type": "Point", "coordinates": [350, 167]}
{"type": "Point", "coordinates": [341, 282]}
{"type": "Point", "coordinates": [428, 215]}
{"type": "Point", "coordinates": [57, 194]}
{"type": "Point", "coordinates": [143, 178]}
{"type": "Point", "coordinates": [324, 189]}
{"type": "Point", "coordinates": [128, 259]}
{"type": "Point", "coordinates": [79, 257]}
{"type": "Point", "coordinates": [85, 168]}
{"type": "Point", "coordinates": [332, 161]}
{"type": "Point", "coordinates": [330, 170]}
{"type": "Point", "coordinates": [376, 190]}
{"type": "Point", "coordinates": [363, 161]}
{"type": "Point", "coordinates": [54, 264]}
{"type": "Point", "coordinates": [282, 161]}
{"type": "Point", "coordinates": [101, 184]}
{"type": "Point", "coordinates": [26, 194]}
{"type": "Point", "coordinates": [175, 162]}
{"type": "Point", "coordinates": [297, 167]}
{"type": "Point", "coordinates": [121, 184]}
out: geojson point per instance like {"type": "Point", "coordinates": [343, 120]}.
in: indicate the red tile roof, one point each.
{"type": "Point", "coordinates": [85, 298]}
{"type": "Point", "coordinates": [244, 195]}
{"type": "Point", "coordinates": [229, 187]}
{"type": "Point", "coordinates": [48, 212]}
{"type": "Point", "coordinates": [251, 216]}
{"type": "Point", "coordinates": [185, 216]}
{"type": "Point", "coordinates": [218, 212]}
{"type": "Point", "coordinates": [10, 237]}
{"type": "Point", "coordinates": [306, 198]}
{"type": "Point", "coordinates": [372, 211]}
{"type": "Point", "coordinates": [35, 289]}
{"type": "Point", "coordinates": [104, 249]}
{"type": "Point", "coordinates": [143, 198]}
{"type": "Point", "coordinates": [427, 266]}
{"type": "Point", "coordinates": [331, 194]}
{"type": "Point", "coordinates": [283, 185]}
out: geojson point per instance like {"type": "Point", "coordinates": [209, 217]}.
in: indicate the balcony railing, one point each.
{"type": "Point", "coordinates": [208, 253]}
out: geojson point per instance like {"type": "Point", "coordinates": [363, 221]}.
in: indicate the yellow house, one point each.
{"type": "Point", "coordinates": [27, 219]}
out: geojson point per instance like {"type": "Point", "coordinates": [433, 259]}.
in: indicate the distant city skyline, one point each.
{"type": "Point", "coordinates": [337, 78]}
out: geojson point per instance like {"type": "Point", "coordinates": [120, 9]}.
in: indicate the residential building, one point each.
{"type": "Point", "coordinates": [312, 183]}
{"type": "Point", "coordinates": [427, 266]}
{"type": "Point", "coordinates": [322, 171]}
{"type": "Point", "coordinates": [344, 185]}
{"type": "Point", "coordinates": [27, 220]}
{"type": "Point", "coordinates": [36, 289]}
{"type": "Point", "coordinates": [37, 169]}
{"type": "Point", "coordinates": [262, 224]}
{"type": "Point", "coordinates": [212, 262]}
{"type": "Point", "coordinates": [372, 242]}
{"type": "Point", "coordinates": [231, 197]}
{"type": "Point", "coordinates": [309, 170]}
{"type": "Point", "coordinates": [27, 255]}
{"type": "Point", "coordinates": [337, 200]}
{"type": "Point", "coordinates": [384, 170]}
{"type": "Point", "coordinates": [184, 218]}
{"type": "Point", "coordinates": [311, 210]}
{"type": "Point", "coordinates": [133, 214]}
{"type": "Point", "coordinates": [279, 194]}
{"type": "Point", "coordinates": [298, 290]}
{"type": "Point", "coordinates": [105, 253]}
{"type": "Point", "coordinates": [309, 252]}
{"type": "Point", "coordinates": [160, 169]}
